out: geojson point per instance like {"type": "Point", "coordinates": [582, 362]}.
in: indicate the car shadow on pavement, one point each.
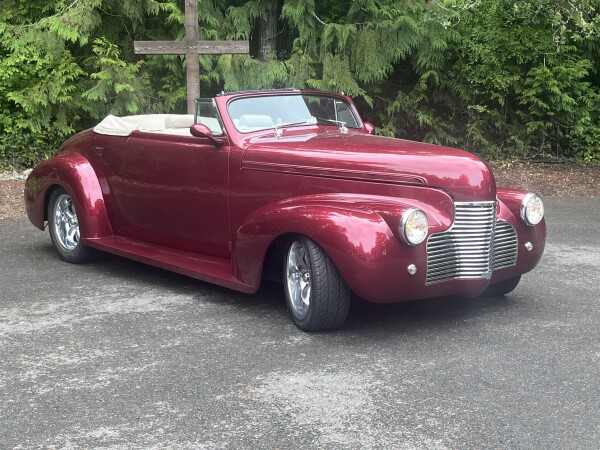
{"type": "Point", "coordinates": [419, 314]}
{"type": "Point", "coordinates": [363, 316]}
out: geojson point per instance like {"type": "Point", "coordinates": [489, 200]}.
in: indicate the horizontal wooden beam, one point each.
{"type": "Point", "coordinates": [185, 47]}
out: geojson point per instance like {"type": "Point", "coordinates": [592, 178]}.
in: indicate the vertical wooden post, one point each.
{"type": "Point", "coordinates": [193, 65]}
{"type": "Point", "coordinates": [192, 48]}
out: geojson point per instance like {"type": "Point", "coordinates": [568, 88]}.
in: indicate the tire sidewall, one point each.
{"type": "Point", "coordinates": [502, 288]}
{"type": "Point", "coordinates": [329, 297]}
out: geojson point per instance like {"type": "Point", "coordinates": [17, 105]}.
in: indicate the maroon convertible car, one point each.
{"type": "Point", "coordinates": [288, 184]}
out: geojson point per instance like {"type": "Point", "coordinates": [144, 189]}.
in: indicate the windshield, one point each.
{"type": "Point", "coordinates": [261, 113]}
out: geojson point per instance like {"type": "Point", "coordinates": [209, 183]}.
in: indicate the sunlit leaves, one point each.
{"type": "Point", "coordinates": [119, 88]}
{"type": "Point", "coordinates": [501, 77]}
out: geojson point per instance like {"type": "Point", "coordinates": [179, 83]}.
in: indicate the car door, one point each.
{"type": "Point", "coordinates": [177, 192]}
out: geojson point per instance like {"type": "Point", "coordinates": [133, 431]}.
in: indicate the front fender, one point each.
{"type": "Point", "coordinates": [509, 210]}
{"type": "Point", "coordinates": [74, 173]}
{"type": "Point", "coordinates": [358, 232]}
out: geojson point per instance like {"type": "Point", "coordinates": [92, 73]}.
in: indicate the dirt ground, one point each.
{"type": "Point", "coordinates": [550, 180]}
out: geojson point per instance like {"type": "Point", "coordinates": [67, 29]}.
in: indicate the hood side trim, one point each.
{"type": "Point", "coordinates": [332, 172]}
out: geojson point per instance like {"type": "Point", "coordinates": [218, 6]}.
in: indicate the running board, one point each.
{"type": "Point", "coordinates": [206, 268]}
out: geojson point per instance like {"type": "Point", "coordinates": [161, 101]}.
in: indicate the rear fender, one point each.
{"type": "Point", "coordinates": [74, 173]}
{"type": "Point", "coordinates": [358, 232]}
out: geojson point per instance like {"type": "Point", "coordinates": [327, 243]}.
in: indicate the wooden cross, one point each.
{"type": "Point", "coordinates": [192, 48]}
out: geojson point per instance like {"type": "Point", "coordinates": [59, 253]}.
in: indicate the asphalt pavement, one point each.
{"type": "Point", "coordinates": [117, 354]}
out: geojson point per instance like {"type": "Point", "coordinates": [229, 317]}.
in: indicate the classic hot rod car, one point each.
{"type": "Point", "coordinates": [288, 184]}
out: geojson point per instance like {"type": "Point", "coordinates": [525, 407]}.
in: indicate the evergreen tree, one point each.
{"type": "Point", "coordinates": [504, 78]}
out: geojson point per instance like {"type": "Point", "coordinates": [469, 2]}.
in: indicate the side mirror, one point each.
{"type": "Point", "coordinates": [369, 127]}
{"type": "Point", "coordinates": [201, 130]}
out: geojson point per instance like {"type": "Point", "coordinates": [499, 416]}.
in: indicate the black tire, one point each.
{"type": "Point", "coordinates": [64, 229]}
{"type": "Point", "coordinates": [327, 294]}
{"type": "Point", "coordinates": [502, 288]}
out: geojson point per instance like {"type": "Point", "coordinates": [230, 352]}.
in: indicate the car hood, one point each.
{"type": "Point", "coordinates": [366, 157]}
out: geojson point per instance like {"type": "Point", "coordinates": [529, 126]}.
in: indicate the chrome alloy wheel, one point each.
{"type": "Point", "coordinates": [66, 226]}
{"type": "Point", "coordinates": [298, 279]}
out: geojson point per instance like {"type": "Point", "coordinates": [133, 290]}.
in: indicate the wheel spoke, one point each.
{"type": "Point", "coordinates": [69, 213]}
{"type": "Point", "coordinates": [306, 294]}
{"type": "Point", "coordinates": [296, 293]}
{"type": "Point", "coordinates": [298, 279]}
{"type": "Point", "coordinates": [63, 234]}
{"type": "Point", "coordinates": [71, 235]}
{"type": "Point", "coordinates": [66, 225]}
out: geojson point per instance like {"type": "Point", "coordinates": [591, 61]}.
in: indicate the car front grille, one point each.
{"type": "Point", "coordinates": [474, 245]}
{"type": "Point", "coordinates": [505, 246]}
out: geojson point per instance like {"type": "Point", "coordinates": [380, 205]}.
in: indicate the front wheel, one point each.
{"type": "Point", "coordinates": [64, 228]}
{"type": "Point", "coordinates": [317, 297]}
{"type": "Point", "coordinates": [502, 288]}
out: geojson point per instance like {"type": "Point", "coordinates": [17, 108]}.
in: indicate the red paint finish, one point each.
{"type": "Point", "coordinates": [509, 210]}
{"type": "Point", "coordinates": [73, 173]}
{"type": "Point", "coordinates": [175, 193]}
{"type": "Point", "coordinates": [358, 156]}
{"type": "Point", "coordinates": [358, 232]}
{"type": "Point", "coordinates": [211, 207]}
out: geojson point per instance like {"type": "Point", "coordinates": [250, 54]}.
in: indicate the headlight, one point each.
{"type": "Point", "coordinates": [532, 209]}
{"type": "Point", "coordinates": [414, 226]}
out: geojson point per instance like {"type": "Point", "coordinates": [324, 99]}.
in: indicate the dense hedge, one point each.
{"type": "Point", "coordinates": [498, 77]}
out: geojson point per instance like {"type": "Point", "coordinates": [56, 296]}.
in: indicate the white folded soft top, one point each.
{"type": "Point", "coordinates": [155, 123]}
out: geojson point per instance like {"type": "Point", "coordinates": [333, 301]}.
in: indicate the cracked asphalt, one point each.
{"type": "Point", "coordinates": [117, 354]}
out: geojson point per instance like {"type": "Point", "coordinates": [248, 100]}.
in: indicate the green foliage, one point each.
{"type": "Point", "coordinates": [38, 81]}
{"type": "Point", "coordinates": [65, 64]}
{"type": "Point", "coordinates": [240, 72]}
{"type": "Point", "coordinates": [559, 105]}
{"type": "Point", "coordinates": [119, 87]}
{"type": "Point", "coordinates": [504, 78]}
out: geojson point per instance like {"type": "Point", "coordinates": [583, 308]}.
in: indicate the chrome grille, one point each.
{"type": "Point", "coordinates": [464, 250]}
{"type": "Point", "coordinates": [505, 246]}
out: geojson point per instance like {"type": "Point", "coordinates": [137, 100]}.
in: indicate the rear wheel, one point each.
{"type": "Point", "coordinates": [317, 297]}
{"type": "Point", "coordinates": [502, 288]}
{"type": "Point", "coordinates": [64, 228]}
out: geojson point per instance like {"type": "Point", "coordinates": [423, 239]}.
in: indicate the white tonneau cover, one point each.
{"type": "Point", "coordinates": [155, 123]}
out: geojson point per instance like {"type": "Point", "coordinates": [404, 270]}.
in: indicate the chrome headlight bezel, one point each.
{"type": "Point", "coordinates": [532, 209]}
{"type": "Point", "coordinates": [414, 226]}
